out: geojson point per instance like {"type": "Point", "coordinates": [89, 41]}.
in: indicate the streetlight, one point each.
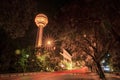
{"type": "Point", "coordinates": [41, 21]}
{"type": "Point", "coordinates": [49, 44]}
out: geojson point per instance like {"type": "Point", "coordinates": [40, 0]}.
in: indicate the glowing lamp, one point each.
{"type": "Point", "coordinates": [49, 42]}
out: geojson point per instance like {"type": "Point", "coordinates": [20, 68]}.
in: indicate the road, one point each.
{"type": "Point", "coordinates": [61, 75]}
{"type": "Point", "coordinates": [53, 76]}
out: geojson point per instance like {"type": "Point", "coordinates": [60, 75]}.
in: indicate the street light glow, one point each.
{"type": "Point", "coordinates": [49, 42]}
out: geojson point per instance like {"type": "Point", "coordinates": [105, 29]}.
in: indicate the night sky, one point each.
{"type": "Point", "coordinates": [50, 7]}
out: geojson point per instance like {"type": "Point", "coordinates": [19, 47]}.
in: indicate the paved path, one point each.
{"type": "Point", "coordinates": [64, 75]}
{"type": "Point", "coordinates": [53, 76]}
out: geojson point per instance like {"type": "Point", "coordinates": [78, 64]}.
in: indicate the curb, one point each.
{"type": "Point", "coordinates": [17, 74]}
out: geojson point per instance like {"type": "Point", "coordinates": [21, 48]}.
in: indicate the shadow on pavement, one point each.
{"type": "Point", "coordinates": [113, 78]}
{"type": "Point", "coordinates": [78, 79]}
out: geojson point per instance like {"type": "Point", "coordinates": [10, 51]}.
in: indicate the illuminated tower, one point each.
{"type": "Point", "coordinates": [41, 21]}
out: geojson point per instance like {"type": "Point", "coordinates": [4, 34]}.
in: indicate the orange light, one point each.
{"type": "Point", "coordinates": [49, 42]}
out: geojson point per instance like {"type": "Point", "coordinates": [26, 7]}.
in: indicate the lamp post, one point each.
{"type": "Point", "coordinates": [41, 21]}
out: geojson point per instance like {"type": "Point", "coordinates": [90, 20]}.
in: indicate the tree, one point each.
{"type": "Point", "coordinates": [111, 23]}
{"type": "Point", "coordinates": [84, 32]}
{"type": "Point", "coordinates": [16, 19]}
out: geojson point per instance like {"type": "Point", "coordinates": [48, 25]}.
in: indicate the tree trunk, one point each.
{"type": "Point", "coordinates": [100, 71]}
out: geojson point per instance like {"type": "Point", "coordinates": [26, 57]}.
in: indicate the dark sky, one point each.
{"type": "Point", "coordinates": [49, 7]}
